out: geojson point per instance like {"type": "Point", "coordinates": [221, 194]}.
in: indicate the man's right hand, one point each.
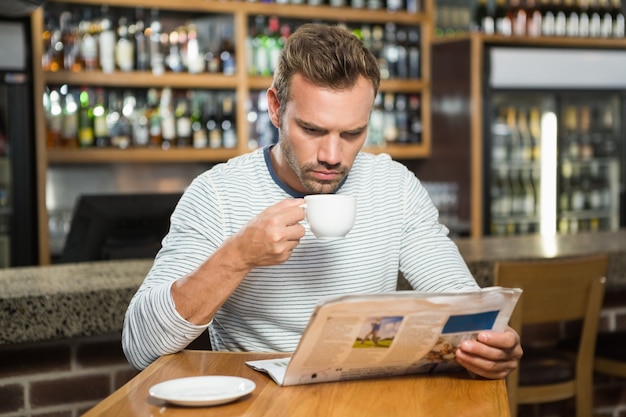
{"type": "Point", "coordinates": [268, 238]}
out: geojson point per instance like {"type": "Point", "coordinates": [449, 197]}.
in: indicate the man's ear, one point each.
{"type": "Point", "coordinates": [273, 106]}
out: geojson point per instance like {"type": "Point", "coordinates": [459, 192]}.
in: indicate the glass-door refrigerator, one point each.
{"type": "Point", "coordinates": [18, 191]}
{"type": "Point", "coordinates": [555, 154]}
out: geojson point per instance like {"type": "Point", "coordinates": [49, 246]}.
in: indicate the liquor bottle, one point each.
{"type": "Point", "coordinates": [402, 118]}
{"type": "Point", "coordinates": [530, 202]}
{"type": "Point", "coordinates": [106, 42]}
{"type": "Point", "coordinates": [228, 123]}
{"type": "Point", "coordinates": [548, 17]}
{"type": "Point", "coordinates": [392, 5]}
{"type": "Point", "coordinates": [412, 6]}
{"type": "Point", "coordinates": [535, 133]}
{"type": "Point", "coordinates": [100, 127]}
{"type": "Point", "coordinates": [52, 59]}
{"type": "Point", "coordinates": [584, 18]}
{"type": "Point", "coordinates": [501, 138]}
{"type": "Point", "coordinates": [88, 41]}
{"type": "Point", "coordinates": [157, 60]}
{"type": "Point", "coordinates": [198, 127]}
{"type": "Point", "coordinates": [173, 60]}
{"type": "Point", "coordinates": [54, 120]}
{"type": "Point", "coordinates": [519, 194]}
{"type": "Point", "coordinates": [195, 57]}
{"type": "Point", "coordinates": [517, 15]}
{"type": "Point", "coordinates": [390, 129]}
{"type": "Point", "coordinates": [496, 193]}
{"type": "Point", "coordinates": [503, 23]}
{"type": "Point", "coordinates": [565, 190]}
{"type": "Point", "coordinates": [617, 16]}
{"type": "Point", "coordinates": [586, 146]}
{"type": "Point", "coordinates": [595, 19]}
{"type": "Point", "coordinates": [577, 196]}
{"type": "Point", "coordinates": [141, 42]}
{"type": "Point", "coordinates": [514, 145]}
{"type": "Point", "coordinates": [213, 127]}
{"type": "Point", "coordinates": [272, 42]}
{"type": "Point", "coordinates": [533, 18]}
{"type": "Point", "coordinates": [140, 123]}
{"type": "Point", "coordinates": [526, 145]}
{"type": "Point", "coordinates": [500, 201]}
{"type": "Point", "coordinates": [389, 53]}
{"type": "Point", "coordinates": [183, 122]}
{"type": "Point", "coordinates": [415, 119]}
{"type": "Point", "coordinates": [120, 109]}
{"type": "Point", "coordinates": [168, 120]}
{"type": "Point", "coordinates": [572, 18]}
{"type": "Point", "coordinates": [124, 48]}
{"type": "Point", "coordinates": [402, 66]}
{"type": "Point", "coordinates": [227, 50]}
{"type": "Point", "coordinates": [69, 127]}
{"type": "Point", "coordinates": [483, 20]}
{"type": "Point", "coordinates": [85, 120]}
{"type": "Point", "coordinates": [571, 133]}
{"type": "Point", "coordinates": [413, 54]}
{"type": "Point", "coordinates": [375, 132]}
{"type": "Point", "coordinates": [154, 118]}
{"type": "Point", "coordinates": [606, 20]}
{"type": "Point", "coordinates": [71, 42]}
{"type": "Point", "coordinates": [260, 58]}
{"type": "Point", "coordinates": [560, 18]}
{"type": "Point", "coordinates": [374, 4]}
{"type": "Point", "coordinates": [506, 202]}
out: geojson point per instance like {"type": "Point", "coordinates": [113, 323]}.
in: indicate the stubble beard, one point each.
{"type": "Point", "coordinates": [304, 173]}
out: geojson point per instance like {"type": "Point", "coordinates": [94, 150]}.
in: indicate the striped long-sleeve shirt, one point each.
{"type": "Point", "coordinates": [396, 229]}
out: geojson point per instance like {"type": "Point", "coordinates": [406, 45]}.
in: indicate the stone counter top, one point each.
{"type": "Point", "coordinates": [481, 254]}
{"type": "Point", "coordinates": [87, 299]}
{"type": "Point", "coordinates": [69, 300]}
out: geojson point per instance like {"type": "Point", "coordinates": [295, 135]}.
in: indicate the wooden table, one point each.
{"type": "Point", "coordinates": [454, 394]}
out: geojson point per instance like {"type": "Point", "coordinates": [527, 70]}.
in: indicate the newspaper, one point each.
{"type": "Point", "coordinates": [405, 332]}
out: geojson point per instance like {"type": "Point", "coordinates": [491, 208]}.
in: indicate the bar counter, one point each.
{"type": "Point", "coordinates": [88, 299]}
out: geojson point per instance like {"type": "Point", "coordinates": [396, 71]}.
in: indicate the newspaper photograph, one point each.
{"type": "Point", "coordinates": [405, 332]}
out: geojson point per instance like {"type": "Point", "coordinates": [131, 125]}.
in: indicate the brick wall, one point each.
{"type": "Point", "coordinates": [62, 378]}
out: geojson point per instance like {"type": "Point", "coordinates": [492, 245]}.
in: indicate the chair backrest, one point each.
{"type": "Point", "coordinates": [557, 290]}
{"type": "Point", "coordinates": [554, 290]}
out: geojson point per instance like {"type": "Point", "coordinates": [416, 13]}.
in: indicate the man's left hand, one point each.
{"type": "Point", "coordinates": [493, 355]}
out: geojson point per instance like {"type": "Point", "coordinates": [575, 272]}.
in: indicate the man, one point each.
{"type": "Point", "coordinates": [237, 258]}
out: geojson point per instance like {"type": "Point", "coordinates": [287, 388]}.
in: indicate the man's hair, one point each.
{"type": "Point", "coordinates": [327, 56]}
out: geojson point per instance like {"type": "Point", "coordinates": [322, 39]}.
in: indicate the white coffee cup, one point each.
{"type": "Point", "coordinates": [330, 216]}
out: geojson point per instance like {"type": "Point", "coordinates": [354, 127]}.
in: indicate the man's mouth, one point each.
{"type": "Point", "coordinates": [325, 175]}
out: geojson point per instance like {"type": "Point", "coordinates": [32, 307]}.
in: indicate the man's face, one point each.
{"type": "Point", "coordinates": [321, 133]}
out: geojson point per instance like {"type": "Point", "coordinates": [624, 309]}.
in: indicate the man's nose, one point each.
{"type": "Point", "coordinates": [329, 150]}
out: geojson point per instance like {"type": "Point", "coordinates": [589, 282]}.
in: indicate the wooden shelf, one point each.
{"type": "Point", "coordinates": [241, 12]}
{"type": "Point", "coordinates": [145, 79]}
{"type": "Point", "coordinates": [552, 41]}
{"type": "Point", "coordinates": [142, 79]}
{"type": "Point", "coordinates": [137, 155]}
{"type": "Point", "coordinates": [338, 14]}
{"type": "Point", "coordinates": [408, 151]}
{"type": "Point", "coordinates": [150, 155]}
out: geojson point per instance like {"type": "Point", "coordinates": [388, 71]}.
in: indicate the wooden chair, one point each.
{"type": "Point", "coordinates": [561, 290]}
{"type": "Point", "coordinates": [610, 356]}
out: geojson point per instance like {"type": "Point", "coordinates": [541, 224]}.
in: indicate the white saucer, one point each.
{"type": "Point", "coordinates": [200, 391]}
